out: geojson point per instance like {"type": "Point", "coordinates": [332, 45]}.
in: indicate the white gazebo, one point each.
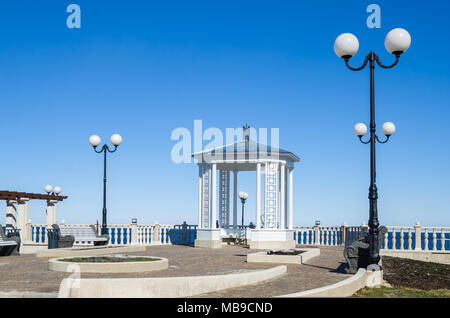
{"type": "Point", "coordinates": [274, 172]}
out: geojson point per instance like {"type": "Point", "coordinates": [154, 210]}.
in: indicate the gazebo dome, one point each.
{"type": "Point", "coordinates": [245, 149]}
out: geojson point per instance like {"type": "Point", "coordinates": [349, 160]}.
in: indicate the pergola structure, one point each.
{"type": "Point", "coordinates": [274, 187]}
{"type": "Point", "coordinates": [17, 209]}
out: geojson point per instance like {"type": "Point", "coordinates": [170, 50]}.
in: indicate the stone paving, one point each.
{"type": "Point", "coordinates": [28, 273]}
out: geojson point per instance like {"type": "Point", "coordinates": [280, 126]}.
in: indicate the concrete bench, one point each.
{"type": "Point", "coordinates": [84, 235]}
{"type": "Point", "coordinates": [7, 245]}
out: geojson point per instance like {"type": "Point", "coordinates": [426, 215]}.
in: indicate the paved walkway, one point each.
{"type": "Point", "coordinates": [28, 273]}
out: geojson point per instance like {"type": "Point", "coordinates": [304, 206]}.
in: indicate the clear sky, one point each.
{"type": "Point", "coordinates": [144, 68]}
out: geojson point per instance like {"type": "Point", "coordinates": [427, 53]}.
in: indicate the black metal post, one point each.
{"type": "Point", "coordinates": [374, 256]}
{"type": "Point", "coordinates": [104, 224]}
{"type": "Point", "coordinates": [243, 203]}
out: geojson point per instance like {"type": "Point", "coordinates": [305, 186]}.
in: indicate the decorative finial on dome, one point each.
{"type": "Point", "coordinates": [246, 129]}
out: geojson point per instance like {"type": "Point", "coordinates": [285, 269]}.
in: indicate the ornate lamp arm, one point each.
{"type": "Point", "coordinates": [109, 150]}
{"type": "Point", "coordinates": [357, 68]}
{"type": "Point", "coordinates": [382, 142]}
{"type": "Point", "coordinates": [101, 150]}
{"type": "Point", "coordinates": [362, 141]}
{"type": "Point", "coordinates": [397, 58]}
{"type": "Point", "coordinates": [105, 148]}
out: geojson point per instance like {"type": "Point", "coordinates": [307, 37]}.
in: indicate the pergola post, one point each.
{"type": "Point", "coordinates": [11, 214]}
{"type": "Point", "coordinates": [51, 212]}
{"type": "Point", "coordinates": [258, 195]}
{"type": "Point", "coordinates": [22, 218]}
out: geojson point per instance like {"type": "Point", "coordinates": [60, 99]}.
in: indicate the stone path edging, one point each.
{"type": "Point", "coordinates": [163, 287]}
{"type": "Point", "coordinates": [344, 288]}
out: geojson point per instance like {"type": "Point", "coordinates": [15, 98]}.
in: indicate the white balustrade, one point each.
{"type": "Point", "coordinates": [158, 234]}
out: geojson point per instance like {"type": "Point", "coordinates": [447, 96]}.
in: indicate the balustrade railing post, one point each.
{"type": "Point", "coordinates": [402, 239]}
{"type": "Point", "coordinates": [134, 234]}
{"type": "Point", "coordinates": [343, 234]}
{"type": "Point", "coordinates": [434, 240]}
{"type": "Point", "coordinates": [418, 234]}
{"type": "Point", "coordinates": [28, 232]}
{"type": "Point", "coordinates": [156, 234]}
{"type": "Point", "coordinates": [316, 235]}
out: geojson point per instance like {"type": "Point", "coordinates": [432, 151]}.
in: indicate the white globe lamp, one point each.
{"type": "Point", "coordinates": [243, 195]}
{"type": "Point", "coordinates": [48, 188]}
{"type": "Point", "coordinates": [346, 45]}
{"type": "Point", "coordinates": [95, 140]}
{"type": "Point", "coordinates": [57, 190]}
{"type": "Point", "coordinates": [360, 129]}
{"type": "Point", "coordinates": [388, 129]}
{"type": "Point", "coordinates": [397, 41]}
{"type": "Point", "coordinates": [116, 139]}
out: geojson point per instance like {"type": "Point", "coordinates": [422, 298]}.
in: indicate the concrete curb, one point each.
{"type": "Point", "coordinates": [344, 288]}
{"type": "Point", "coordinates": [55, 264]}
{"type": "Point", "coordinates": [162, 287]}
{"type": "Point", "coordinates": [442, 257]}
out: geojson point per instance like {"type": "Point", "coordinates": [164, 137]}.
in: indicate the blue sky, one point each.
{"type": "Point", "coordinates": [144, 68]}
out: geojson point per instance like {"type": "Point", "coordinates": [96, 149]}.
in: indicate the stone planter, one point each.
{"type": "Point", "coordinates": [56, 264]}
{"type": "Point", "coordinates": [263, 257]}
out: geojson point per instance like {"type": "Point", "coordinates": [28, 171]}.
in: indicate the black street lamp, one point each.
{"type": "Point", "coordinates": [346, 45]}
{"type": "Point", "coordinates": [243, 196]}
{"type": "Point", "coordinates": [95, 140]}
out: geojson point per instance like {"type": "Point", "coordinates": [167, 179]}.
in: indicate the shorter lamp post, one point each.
{"type": "Point", "coordinates": [95, 140]}
{"type": "Point", "coordinates": [243, 196]}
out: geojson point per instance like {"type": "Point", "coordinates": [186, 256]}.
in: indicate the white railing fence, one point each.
{"type": "Point", "coordinates": [119, 234]}
{"type": "Point", "coordinates": [412, 238]}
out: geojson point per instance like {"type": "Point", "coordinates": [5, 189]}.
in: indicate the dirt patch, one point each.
{"type": "Point", "coordinates": [285, 252]}
{"type": "Point", "coordinates": [401, 272]}
{"type": "Point", "coordinates": [109, 259]}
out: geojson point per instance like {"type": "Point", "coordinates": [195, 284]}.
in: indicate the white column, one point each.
{"type": "Point", "coordinates": [286, 202]}
{"type": "Point", "coordinates": [291, 199]}
{"type": "Point", "coordinates": [51, 212]}
{"type": "Point", "coordinates": [199, 197]}
{"type": "Point", "coordinates": [22, 218]}
{"type": "Point", "coordinates": [282, 196]}
{"type": "Point", "coordinates": [258, 195]}
{"type": "Point", "coordinates": [213, 195]}
{"type": "Point", "coordinates": [11, 214]}
{"type": "Point", "coordinates": [235, 194]}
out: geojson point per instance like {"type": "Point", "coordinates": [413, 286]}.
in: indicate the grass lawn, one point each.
{"type": "Point", "coordinates": [401, 292]}
{"type": "Point", "coordinates": [410, 278]}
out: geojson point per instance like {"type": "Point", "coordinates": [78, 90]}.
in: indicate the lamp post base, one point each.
{"type": "Point", "coordinates": [373, 268]}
